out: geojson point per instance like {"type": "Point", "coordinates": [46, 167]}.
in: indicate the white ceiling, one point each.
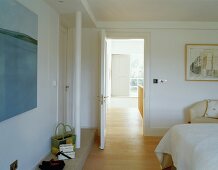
{"type": "Point", "coordinates": [68, 8]}
{"type": "Point", "coordinates": [155, 10]}
{"type": "Point", "coordinates": [139, 10]}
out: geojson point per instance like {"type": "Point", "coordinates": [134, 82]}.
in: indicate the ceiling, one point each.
{"type": "Point", "coordinates": [95, 11]}
{"type": "Point", "coordinates": [68, 8]}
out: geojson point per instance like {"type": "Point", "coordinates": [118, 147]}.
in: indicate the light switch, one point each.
{"type": "Point", "coordinates": [155, 81]}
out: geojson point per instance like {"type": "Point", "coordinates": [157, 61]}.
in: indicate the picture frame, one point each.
{"type": "Point", "coordinates": [201, 62]}
{"type": "Point", "coordinates": [18, 59]}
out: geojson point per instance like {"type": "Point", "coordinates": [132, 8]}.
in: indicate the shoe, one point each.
{"type": "Point", "coordinates": [52, 165]}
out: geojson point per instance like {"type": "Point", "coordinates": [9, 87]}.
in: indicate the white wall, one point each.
{"type": "Point", "coordinates": [26, 137]}
{"type": "Point", "coordinates": [169, 101]}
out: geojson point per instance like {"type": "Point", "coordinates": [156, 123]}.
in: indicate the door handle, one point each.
{"type": "Point", "coordinates": [67, 87]}
{"type": "Point", "coordinates": [102, 98]}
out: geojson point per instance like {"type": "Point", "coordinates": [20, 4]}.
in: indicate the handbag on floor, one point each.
{"type": "Point", "coordinates": [65, 137]}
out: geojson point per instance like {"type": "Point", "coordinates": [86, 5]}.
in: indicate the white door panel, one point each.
{"type": "Point", "coordinates": [103, 97]}
{"type": "Point", "coordinates": [64, 80]}
{"type": "Point", "coordinates": [120, 75]}
{"type": "Point", "coordinates": [62, 91]}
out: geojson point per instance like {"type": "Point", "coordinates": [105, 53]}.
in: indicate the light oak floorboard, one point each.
{"type": "Point", "coordinates": [126, 148]}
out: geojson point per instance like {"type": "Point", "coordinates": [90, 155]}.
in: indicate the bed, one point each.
{"type": "Point", "coordinates": [191, 147]}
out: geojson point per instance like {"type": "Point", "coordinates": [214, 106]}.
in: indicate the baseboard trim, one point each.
{"type": "Point", "coordinates": [36, 166]}
{"type": "Point", "coordinates": [156, 131]}
{"type": "Point", "coordinates": [89, 127]}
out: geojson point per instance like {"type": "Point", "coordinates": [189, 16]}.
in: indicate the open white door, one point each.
{"type": "Point", "coordinates": [103, 97]}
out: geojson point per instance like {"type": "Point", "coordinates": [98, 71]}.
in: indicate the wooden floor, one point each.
{"type": "Point", "coordinates": [126, 148]}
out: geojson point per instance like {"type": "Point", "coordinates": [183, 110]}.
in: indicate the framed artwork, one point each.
{"type": "Point", "coordinates": [18, 59]}
{"type": "Point", "coordinates": [201, 62]}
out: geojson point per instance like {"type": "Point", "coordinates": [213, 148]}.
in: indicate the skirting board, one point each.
{"type": "Point", "coordinates": [156, 131]}
{"type": "Point", "coordinates": [36, 166]}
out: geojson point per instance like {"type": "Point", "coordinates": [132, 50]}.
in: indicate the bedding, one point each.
{"type": "Point", "coordinates": [212, 109]}
{"type": "Point", "coordinates": [192, 146]}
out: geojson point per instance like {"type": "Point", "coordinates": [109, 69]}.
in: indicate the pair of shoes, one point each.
{"type": "Point", "coordinates": [52, 165]}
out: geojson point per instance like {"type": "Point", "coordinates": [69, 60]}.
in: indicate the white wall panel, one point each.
{"type": "Point", "coordinates": [169, 101]}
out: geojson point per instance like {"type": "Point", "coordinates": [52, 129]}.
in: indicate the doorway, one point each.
{"type": "Point", "coordinates": [125, 65]}
{"type": "Point", "coordinates": [106, 98]}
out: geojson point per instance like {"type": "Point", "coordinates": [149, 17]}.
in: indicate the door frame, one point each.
{"type": "Point", "coordinates": [139, 34]}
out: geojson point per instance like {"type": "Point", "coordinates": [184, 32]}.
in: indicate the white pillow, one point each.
{"type": "Point", "coordinates": [212, 109]}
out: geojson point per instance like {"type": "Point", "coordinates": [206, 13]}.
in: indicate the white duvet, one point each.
{"type": "Point", "coordinates": [192, 146]}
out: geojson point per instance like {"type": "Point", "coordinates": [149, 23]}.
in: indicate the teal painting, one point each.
{"type": "Point", "coordinates": [18, 59]}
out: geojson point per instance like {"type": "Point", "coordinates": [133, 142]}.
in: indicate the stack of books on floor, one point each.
{"type": "Point", "coordinates": [67, 151]}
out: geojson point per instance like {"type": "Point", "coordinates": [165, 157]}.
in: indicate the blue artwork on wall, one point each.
{"type": "Point", "coordinates": [18, 59]}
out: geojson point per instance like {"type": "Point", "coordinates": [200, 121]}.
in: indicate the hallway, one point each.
{"type": "Point", "coordinates": [126, 148]}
